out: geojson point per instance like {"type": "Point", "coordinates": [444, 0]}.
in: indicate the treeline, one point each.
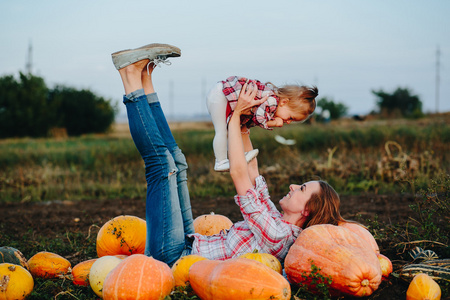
{"type": "Point", "coordinates": [29, 108]}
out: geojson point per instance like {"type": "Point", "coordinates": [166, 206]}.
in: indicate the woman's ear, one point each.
{"type": "Point", "coordinates": [305, 213]}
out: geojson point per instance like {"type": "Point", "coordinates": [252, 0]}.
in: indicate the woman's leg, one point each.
{"type": "Point", "coordinates": [178, 156]}
{"type": "Point", "coordinates": [165, 234]}
{"type": "Point", "coordinates": [217, 105]}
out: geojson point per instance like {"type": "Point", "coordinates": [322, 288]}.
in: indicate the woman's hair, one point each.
{"type": "Point", "coordinates": [323, 207]}
{"type": "Point", "coordinates": [301, 97]}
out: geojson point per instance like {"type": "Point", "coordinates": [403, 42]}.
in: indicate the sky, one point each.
{"type": "Point", "coordinates": [346, 48]}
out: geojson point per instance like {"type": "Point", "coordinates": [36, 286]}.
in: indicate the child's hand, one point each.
{"type": "Point", "coordinates": [275, 122]}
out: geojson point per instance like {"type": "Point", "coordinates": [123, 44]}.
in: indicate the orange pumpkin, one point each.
{"type": "Point", "coordinates": [122, 235]}
{"type": "Point", "coordinates": [265, 258]}
{"type": "Point", "coordinates": [237, 279]}
{"type": "Point", "coordinates": [80, 273]}
{"type": "Point", "coordinates": [363, 233]}
{"type": "Point", "coordinates": [15, 282]}
{"type": "Point", "coordinates": [139, 277]}
{"type": "Point", "coordinates": [337, 252]}
{"type": "Point", "coordinates": [48, 265]}
{"type": "Point", "coordinates": [180, 268]}
{"type": "Point", "coordinates": [211, 224]}
{"type": "Point", "coordinates": [13, 256]}
{"type": "Point", "coordinates": [385, 264]}
{"type": "Point", "coordinates": [423, 287]}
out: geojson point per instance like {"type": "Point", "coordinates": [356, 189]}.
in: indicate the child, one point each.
{"type": "Point", "coordinates": [283, 105]}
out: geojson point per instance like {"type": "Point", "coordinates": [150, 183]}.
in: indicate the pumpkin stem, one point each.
{"type": "Point", "coordinates": [255, 251]}
{"type": "Point", "coordinates": [12, 268]}
{"type": "Point", "coordinates": [365, 283]}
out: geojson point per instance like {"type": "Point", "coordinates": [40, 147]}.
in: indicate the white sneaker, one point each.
{"type": "Point", "coordinates": [250, 155]}
{"type": "Point", "coordinates": [224, 165]}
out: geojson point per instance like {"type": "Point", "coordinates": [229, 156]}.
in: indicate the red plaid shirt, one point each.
{"type": "Point", "coordinates": [262, 229]}
{"type": "Point", "coordinates": [232, 86]}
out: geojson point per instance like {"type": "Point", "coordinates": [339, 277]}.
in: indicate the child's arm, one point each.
{"type": "Point", "coordinates": [275, 122]}
{"type": "Point", "coordinates": [238, 165]}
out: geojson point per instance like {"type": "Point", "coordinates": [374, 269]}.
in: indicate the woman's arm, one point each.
{"type": "Point", "coordinates": [238, 165]}
{"type": "Point", "coordinates": [252, 166]}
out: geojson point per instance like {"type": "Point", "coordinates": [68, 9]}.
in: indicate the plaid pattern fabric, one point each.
{"type": "Point", "coordinates": [232, 86]}
{"type": "Point", "coordinates": [262, 229]}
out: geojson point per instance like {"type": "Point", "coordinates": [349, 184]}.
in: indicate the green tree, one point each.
{"type": "Point", "coordinates": [81, 111]}
{"type": "Point", "coordinates": [24, 109]}
{"type": "Point", "coordinates": [336, 110]}
{"type": "Point", "coordinates": [400, 103]}
{"type": "Point", "coordinates": [29, 108]}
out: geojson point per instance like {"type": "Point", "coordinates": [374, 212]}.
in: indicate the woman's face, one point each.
{"type": "Point", "coordinates": [298, 197]}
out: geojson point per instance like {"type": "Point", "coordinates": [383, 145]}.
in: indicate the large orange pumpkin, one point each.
{"type": "Point", "coordinates": [48, 265]}
{"type": "Point", "coordinates": [139, 277]}
{"type": "Point", "coordinates": [337, 252]}
{"type": "Point", "coordinates": [15, 282]}
{"type": "Point", "coordinates": [237, 279]}
{"type": "Point", "coordinates": [122, 235]}
{"type": "Point", "coordinates": [211, 224]}
{"type": "Point", "coordinates": [363, 233]}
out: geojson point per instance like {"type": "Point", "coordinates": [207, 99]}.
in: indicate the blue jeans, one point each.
{"type": "Point", "coordinates": [168, 207]}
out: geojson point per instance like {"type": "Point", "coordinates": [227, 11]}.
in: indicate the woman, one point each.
{"type": "Point", "coordinates": [170, 232]}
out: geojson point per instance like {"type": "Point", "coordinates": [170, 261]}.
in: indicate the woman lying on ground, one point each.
{"type": "Point", "coordinates": [170, 232]}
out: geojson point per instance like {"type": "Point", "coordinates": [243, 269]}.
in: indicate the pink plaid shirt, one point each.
{"type": "Point", "coordinates": [232, 86]}
{"type": "Point", "coordinates": [262, 229]}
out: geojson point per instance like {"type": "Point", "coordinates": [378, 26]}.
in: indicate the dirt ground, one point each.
{"type": "Point", "coordinates": [51, 219]}
{"type": "Point", "coordinates": [57, 217]}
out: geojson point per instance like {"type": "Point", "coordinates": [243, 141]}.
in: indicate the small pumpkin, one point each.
{"type": "Point", "coordinates": [13, 256]}
{"type": "Point", "coordinates": [363, 233]}
{"type": "Point", "coordinates": [180, 268]}
{"type": "Point", "coordinates": [80, 273]}
{"type": "Point", "coordinates": [211, 224]}
{"type": "Point", "coordinates": [99, 270]}
{"type": "Point", "coordinates": [385, 264]}
{"type": "Point", "coordinates": [122, 235]}
{"type": "Point", "coordinates": [48, 265]}
{"type": "Point", "coordinates": [139, 277]}
{"type": "Point", "coordinates": [423, 287]}
{"type": "Point", "coordinates": [237, 279]}
{"type": "Point", "coordinates": [337, 252]}
{"type": "Point", "coordinates": [265, 258]}
{"type": "Point", "coordinates": [15, 282]}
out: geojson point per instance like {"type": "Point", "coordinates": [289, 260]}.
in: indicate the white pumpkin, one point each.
{"type": "Point", "coordinates": [99, 270]}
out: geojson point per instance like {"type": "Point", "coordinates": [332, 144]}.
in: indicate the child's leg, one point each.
{"type": "Point", "coordinates": [217, 105]}
{"type": "Point", "coordinates": [165, 234]}
{"type": "Point", "coordinates": [178, 156]}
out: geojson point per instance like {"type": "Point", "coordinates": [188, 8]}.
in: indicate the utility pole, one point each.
{"type": "Point", "coordinates": [29, 64]}
{"type": "Point", "coordinates": [438, 54]}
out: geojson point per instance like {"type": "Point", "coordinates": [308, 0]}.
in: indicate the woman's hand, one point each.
{"type": "Point", "coordinates": [247, 99]}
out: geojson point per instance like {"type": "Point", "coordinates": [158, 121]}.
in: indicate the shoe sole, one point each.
{"type": "Point", "coordinates": [124, 58]}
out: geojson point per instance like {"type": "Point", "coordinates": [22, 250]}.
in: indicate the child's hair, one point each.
{"type": "Point", "coordinates": [324, 206]}
{"type": "Point", "coordinates": [301, 97]}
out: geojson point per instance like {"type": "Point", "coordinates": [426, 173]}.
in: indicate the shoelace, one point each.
{"type": "Point", "coordinates": [157, 62]}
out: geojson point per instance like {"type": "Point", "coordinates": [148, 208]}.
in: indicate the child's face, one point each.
{"type": "Point", "coordinates": [287, 115]}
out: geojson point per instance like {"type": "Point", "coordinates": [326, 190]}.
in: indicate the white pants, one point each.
{"type": "Point", "coordinates": [217, 105]}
